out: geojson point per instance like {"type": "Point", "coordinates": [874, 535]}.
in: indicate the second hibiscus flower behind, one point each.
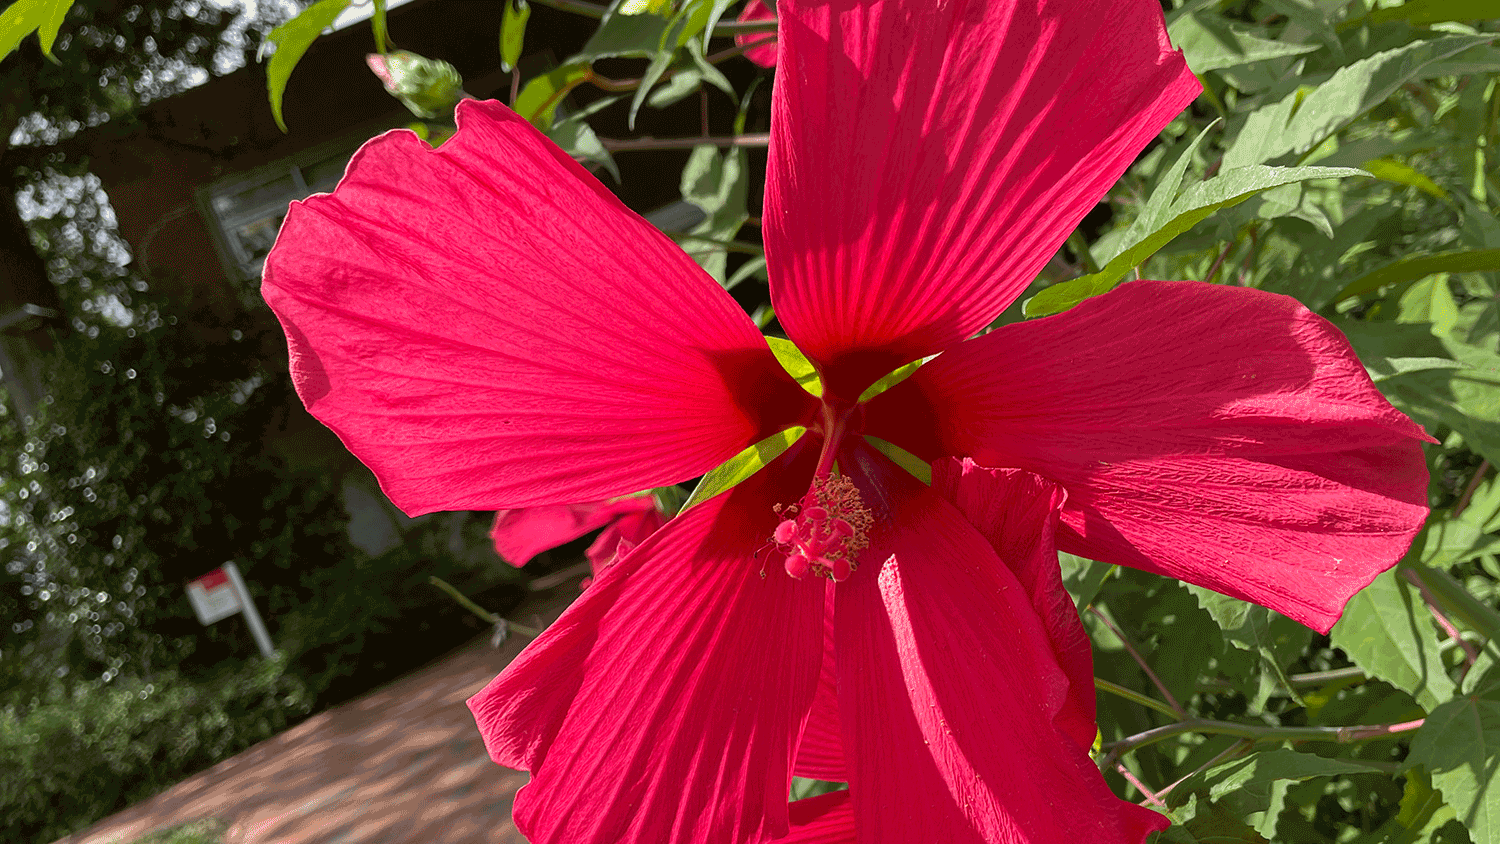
{"type": "Point", "coordinates": [487, 327]}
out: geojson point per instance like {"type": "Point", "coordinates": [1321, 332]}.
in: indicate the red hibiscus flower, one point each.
{"type": "Point", "coordinates": [523, 533]}
{"type": "Point", "coordinates": [487, 327]}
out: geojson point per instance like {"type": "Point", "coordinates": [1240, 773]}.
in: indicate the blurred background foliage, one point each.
{"type": "Point", "coordinates": [1343, 153]}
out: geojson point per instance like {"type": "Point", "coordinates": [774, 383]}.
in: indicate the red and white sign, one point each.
{"type": "Point", "coordinates": [214, 597]}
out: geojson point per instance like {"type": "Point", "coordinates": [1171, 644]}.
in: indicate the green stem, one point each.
{"type": "Point", "coordinates": [1134, 697]}
{"type": "Point", "coordinates": [463, 600]}
{"type": "Point", "coordinates": [1251, 732]}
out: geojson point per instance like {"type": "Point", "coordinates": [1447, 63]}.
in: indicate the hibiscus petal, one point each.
{"type": "Point", "coordinates": [825, 819]}
{"type": "Point", "coordinates": [765, 54]}
{"type": "Point", "coordinates": [626, 532]}
{"type": "Point", "coordinates": [1224, 436]}
{"type": "Point", "coordinates": [928, 158]}
{"type": "Point", "coordinates": [523, 533]}
{"type": "Point", "coordinates": [1017, 513]}
{"type": "Point", "coordinates": [665, 704]}
{"type": "Point", "coordinates": [821, 754]}
{"type": "Point", "coordinates": [486, 326]}
{"type": "Point", "coordinates": [951, 691]}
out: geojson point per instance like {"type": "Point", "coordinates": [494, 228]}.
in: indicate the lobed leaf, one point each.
{"type": "Point", "coordinates": [1387, 632]}
{"type": "Point", "coordinates": [1459, 745]}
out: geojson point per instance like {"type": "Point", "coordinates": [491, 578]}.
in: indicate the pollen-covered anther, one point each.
{"type": "Point", "coordinates": [824, 532]}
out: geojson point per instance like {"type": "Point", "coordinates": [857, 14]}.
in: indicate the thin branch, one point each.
{"type": "Point", "coordinates": [1177, 709]}
{"type": "Point", "coordinates": [1463, 500]}
{"type": "Point", "coordinates": [1135, 697]}
{"type": "Point", "coordinates": [1309, 680]}
{"type": "Point", "coordinates": [484, 614]}
{"type": "Point", "coordinates": [1471, 653]}
{"type": "Point", "coordinates": [1139, 786]}
{"type": "Point", "coordinates": [596, 11]}
{"type": "Point", "coordinates": [626, 144]}
{"type": "Point", "coordinates": [1253, 733]}
{"type": "Point", "coordinates": [558, 578]}
{"type": "Point", "coordinates": [1219, 262]}
{"type": "Point", "coordinates": [1231, 751]}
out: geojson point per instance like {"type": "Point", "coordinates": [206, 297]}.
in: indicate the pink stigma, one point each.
{"type": "Point", "coordinates": [825, 531]}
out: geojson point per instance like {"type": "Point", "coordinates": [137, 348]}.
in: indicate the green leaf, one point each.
{"type": "Point", "coordinates": [1275, 639]}
{"type": "Point", "coordinates": [916, 466]}
{"type": "Point", "coordinates": [1465, 399]}
{"type": "Point", "coordinates": [23, 17]}
{"type": "Point", "coordinates": [1414, 267]}
{"type": "Point", "coordinates": [1156, 212]}
{"type": "Point", "coordinates": [633, 36]}
{"type": "Point", "coordinates": [1388, 349]}
{"type": "Point", "coordinates": [796, 364]}
{"type": "Point", "coordinates": [654, 72]}
{"type": "Point", "coordinates": [1225, 190]}
{"type": "Point", "coordinates": [719, 184]}
{"type": "Point", "coordinates": [1387, 631]}
{"type": "Point", "coordinates": [1082, 577]}
{"type": "Point", "coordinates": [891, 379]}
{"type": "Point", "coordinates": [538, 99]}
{"type": "Point", "coordinates": [1459, 745]}
{"type": "Point", "coordinates": [513, 32]}
{"type": "Point", "coordinates": [292, 40]}
{"type": "Point", "coordinates": [1210, 43]}
{"type": "Point", "coordinates": [1302, 120]}
{"type": "Point", "coordinates": [756, 266]}
{"type": "Point", "coordinates": [577, 138]}
{"type": "Point", "coordinates": [743, 465]}
{"type": "Point", "coordinates": [1391, 170]}
{"type": "Point", "coordinates": [1423, 12]}
{"type": "Point", "coordinates": [1253, 776]}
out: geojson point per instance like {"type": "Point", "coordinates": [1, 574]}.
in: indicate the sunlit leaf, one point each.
{"type": "Point", "coordinates": [1302, 120]}
{"type": "Point", "coordinates": [1422, 12]}
{"type": "Point", "coordinates": [23, 17]}
{"type": "Point", "coordinates": [292, 40]}
{"type": "Point", "coordinates": [538, 99]}
{"type": "Point", "coordinates": [916, 466]}
{"type": "Point", "coordinates": [743, 465]}
{"type": "Point", "coordinates": [1387, 631]}
{"type": "Point", "coordinates": [796, 364]}
{"type": "Point", "coordinates": [1391, 170]}
{"type": "Point", "coordinates": [1210, 43]}
{"type": "Point", "coordinates": [1414, 267]}
{"type": "Point", "coordinates": [513, 32]}
{"type": "Point", "coordinates": [1225, 190]}
{"type": "Point", "coordinates": [1459, 745]}
{"type": "Point", "coordinates": [719, 184]}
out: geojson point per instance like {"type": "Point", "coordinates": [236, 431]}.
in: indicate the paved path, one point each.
{"type": "Point", "coordinates": [401, 765]}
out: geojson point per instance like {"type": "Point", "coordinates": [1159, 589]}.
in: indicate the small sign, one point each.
{"type": "Point", "coordinates": [222, 593]}
{"type": "Point", "coordinates": [213, 597]}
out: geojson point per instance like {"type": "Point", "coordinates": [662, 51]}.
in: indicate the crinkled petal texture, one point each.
{"type": "Point", "coordinates": [665, 705]}
{"type": "Point", "coordinates": [485, 326]}
{"type": "Point", "coordinates": [1224, 436]}
{"type": "Point", "coordinates": [952, 698]}
{"type": "Point", "coordinates": [1017, 512]}
{"type": "Point", "coordinates": [928, 158]}
{"type": "Point", "coordinates": [521, 534]}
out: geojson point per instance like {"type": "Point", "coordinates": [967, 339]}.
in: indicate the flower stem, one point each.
{"type": "Point", "coordinates": [626, 144]}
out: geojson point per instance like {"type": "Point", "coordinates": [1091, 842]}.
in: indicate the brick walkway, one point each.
{"type": "Point", "coordinates": [401, 765]}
